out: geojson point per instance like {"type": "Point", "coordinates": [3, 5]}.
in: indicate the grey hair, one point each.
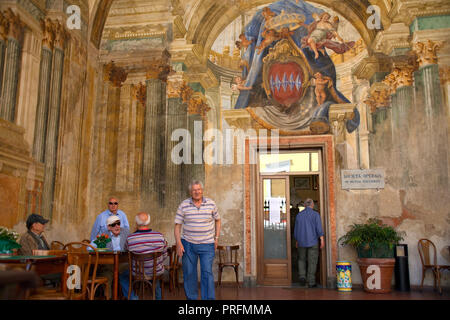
{"type": "Point", "coordinates": [141, 223]}
{"type": "Point", "coordinates": [195, 182]}
{"type": "Point", "coordinates": [309, 202]}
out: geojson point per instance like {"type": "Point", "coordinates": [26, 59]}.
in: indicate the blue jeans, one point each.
{"type": "Point", "coordinates": [206, 253]}
{"type": "Point", "coordinates": [124, 279]}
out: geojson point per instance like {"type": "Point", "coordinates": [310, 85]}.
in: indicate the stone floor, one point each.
{"type": "Point", "coordinates": [230, 292]}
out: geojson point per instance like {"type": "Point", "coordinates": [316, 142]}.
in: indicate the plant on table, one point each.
{"type": "Point", "coordinates": [102, 240]}
{"type": "Point", "coordinates": [8, 240]}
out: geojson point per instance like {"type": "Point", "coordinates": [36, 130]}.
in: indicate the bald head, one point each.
{"type": "Point", "coordinates": [142, 220]}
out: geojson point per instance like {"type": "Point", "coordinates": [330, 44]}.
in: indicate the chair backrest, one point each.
{"type": "Point", "coordinates": [424, 252]}
{"type": "Point", "coordinates": [56, 245]}
{"type": "Point", "coordinates": [137, 264]}
{"type": "Point", "coordinates": [228, 254]}
{"type": "Point", "coordinates": [77, 246]}
{"type": "Point", "coordinates": [78, 255]}
{"type": "Point", "coordinates": [173, 257]}
{"type": "Point", "coordinates": [86, 241]}
{"type": "Point", "coordinates": [49, 252]}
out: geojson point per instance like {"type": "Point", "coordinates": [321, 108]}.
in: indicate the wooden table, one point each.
{"type": "Point", "coordinates": [42, 264]}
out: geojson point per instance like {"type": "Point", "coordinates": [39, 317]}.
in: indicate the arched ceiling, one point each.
{"type": "Point", "coordinates": [205, 19]}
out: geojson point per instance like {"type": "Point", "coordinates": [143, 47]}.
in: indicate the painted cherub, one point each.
{"type": "Point", "coordinates": [240, 85]}
{"type": "Point", "coordinates": [321, 32]}
{"type": "Point", "coordinates": [322, 82]}
{"type": "Point", "coordinates": [269, 35]}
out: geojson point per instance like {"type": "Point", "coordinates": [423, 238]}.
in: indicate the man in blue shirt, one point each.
{"type": "Point", "coordinates": [100, 225]}
{"type": "Point", "coordinates": [307, 231]}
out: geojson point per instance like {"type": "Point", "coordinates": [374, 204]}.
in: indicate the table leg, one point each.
{"type": "Point", "coordinates": [116, 276]}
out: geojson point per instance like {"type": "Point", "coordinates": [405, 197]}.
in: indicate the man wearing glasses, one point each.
{"type": "Point", "coordinates": [100, 224]}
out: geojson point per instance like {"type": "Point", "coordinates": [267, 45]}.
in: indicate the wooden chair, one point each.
{"type": "Point", "coordinates": [173, 268]}
{"type": "Point", "coordinates": [137, 273]}
{"type": "Point", "coordinates": [228, 257]}
{"type": "Point", "coordinates": [56, 245]}
{"type": "Point", "coordinates": [425, 257]}
{"type": "Point", "coordinates": [78, 254]}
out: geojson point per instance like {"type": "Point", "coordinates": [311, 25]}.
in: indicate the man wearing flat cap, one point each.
{"type": "Point", "coordinates": [33, 239]}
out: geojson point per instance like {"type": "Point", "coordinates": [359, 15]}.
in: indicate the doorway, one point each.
{"type": "Point", "coordinates": [285, 181]}
{"type": "Point", "coordinates": [300, 189]}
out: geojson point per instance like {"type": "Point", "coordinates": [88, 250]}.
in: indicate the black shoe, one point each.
{"type": "Point", "coordinates": [312, 285]}
{"type": "Point", "coordinates": [302, 282]}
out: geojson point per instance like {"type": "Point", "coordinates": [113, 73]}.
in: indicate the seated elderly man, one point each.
{"type": "Point", "coordinates": [144, 241]}
{"type": "Point", "coordinates": [33, 239]}
{"type": "Point", "coordinates": [118, 236]}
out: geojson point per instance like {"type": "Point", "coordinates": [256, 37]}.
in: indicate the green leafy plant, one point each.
{"type": "Point", "coordinates": [8, 240]}
{"type": "Point", "coordinates": [372, 239]}
{"type": "Point", "coordinates": [102, 240]}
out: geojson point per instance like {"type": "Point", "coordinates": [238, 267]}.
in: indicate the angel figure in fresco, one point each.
{"type": "Point", "coordinates": [269, 35]}
{"type": "Point", "coordinates": [321, 33]}
{"type": "Point", "coordinates": [240, 85]}
{"type": "Point", "coordinates": [322, 82]}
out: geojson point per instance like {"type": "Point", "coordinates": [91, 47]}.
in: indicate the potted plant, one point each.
{"type": "Point", "coordinates": [102, 240]}
{"type": "Point", "coordinates": [8, 241]}
{"type": "Point", "coordinates": [374, 243]}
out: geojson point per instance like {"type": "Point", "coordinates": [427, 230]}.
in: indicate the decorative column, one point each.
{"type": "Point", "coordinates": [11, 73]}
{"type": "Point", "coordinates": [115, 76]}
{"type": "Point", "coordinates": [3, 39]}
{"type": "Point", "coordinates": [51, 139]}
{"type": "Point", "coordinates": [197, 108]}
{"type": "Point", "coordinates": [429, 95]}
{"type": "Point", "coordinates": [44, 90]}
{"type": "Point", "coordinates": [176, 119]}
{"type": "Point", "coordinates": [401, 108]}
{"type": "Point", "coordinates": [153, 151]}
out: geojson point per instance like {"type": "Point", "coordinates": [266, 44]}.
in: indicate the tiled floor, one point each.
{"type": "Point", "coordinates": [230, 292]}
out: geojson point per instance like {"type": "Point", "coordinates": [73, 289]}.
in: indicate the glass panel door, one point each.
{"type": "Point", "coordinates": [275, 224]}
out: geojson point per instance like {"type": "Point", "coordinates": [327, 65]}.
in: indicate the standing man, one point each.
{"type": "Point", "coordinates": [100, 224]}
{"type": "Point", "coordinates": [201, 229]}
{"type": "Point", "coordinates": [307, 231]}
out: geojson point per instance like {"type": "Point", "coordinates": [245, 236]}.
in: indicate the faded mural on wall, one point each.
{"type": "Point", "coordinates": [288, 79]}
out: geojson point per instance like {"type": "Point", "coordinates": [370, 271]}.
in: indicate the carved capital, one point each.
{"type": "Point", "coordinates": [337, 115]}
{"type": "Point", "coordinates": [116, 75]}
{"type": "Point", "coordinates": [444, 74]}
{"type": "Point", "coordinates": [197, 105]}
{"type": "Point", "coordinates": [139, 92]}
{"type": "Point", "coordinates": [61, 35]}
{"type": "Point", "coordinates": [159, 69]}
{"type": "Point", "coordinates": [15, 26]}
{"type": "Point", "coordinates": [3, 27]}
{"type": "Point", "coordinates": [48, 30]}
{"type": "Point", "coordinates": [379, 96]}
{"type": "Point", "coordinates": [427, 52]}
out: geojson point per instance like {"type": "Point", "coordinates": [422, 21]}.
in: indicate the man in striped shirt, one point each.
{"type": "Point", "coordinates": [201, 229]}
{"type": "Point", "coordinates": [145, 241]}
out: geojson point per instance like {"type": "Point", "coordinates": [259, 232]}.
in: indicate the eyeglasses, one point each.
{"type": "Point", "coordinates": [115, 224]}
{"type": "Point", "coordinates": [113, 203]}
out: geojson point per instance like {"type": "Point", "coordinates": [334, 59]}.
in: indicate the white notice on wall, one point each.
{"type": "Point", "coordinates": [274, 210]}
{"type": "Point", "coordinates": [362, 179]}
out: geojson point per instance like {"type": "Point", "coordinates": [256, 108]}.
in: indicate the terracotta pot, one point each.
{"type": "Point", "coordinates": [376, 274]}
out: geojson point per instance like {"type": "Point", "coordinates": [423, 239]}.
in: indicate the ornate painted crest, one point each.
{"type": "Point", "coordinates": [286, 73]}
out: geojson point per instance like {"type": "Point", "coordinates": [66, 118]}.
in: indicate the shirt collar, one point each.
{"type": "Point", "coordinates": [192, 200]}
{"type": "Point", "coordinates": [148, 230]}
